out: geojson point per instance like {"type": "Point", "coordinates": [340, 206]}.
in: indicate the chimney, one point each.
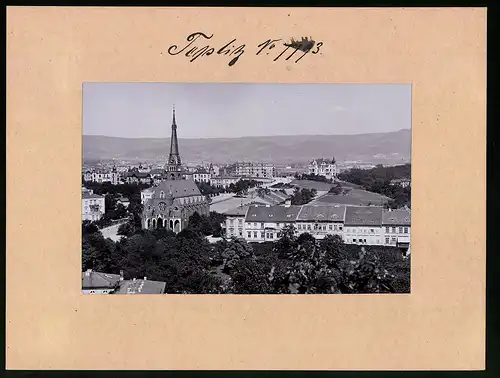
{"type": "Point", "coordinates": [267, 205]}
{"type": "Point", "coordinates": [88, 272]}
{"type": "Point", "coordinates": [145, 278]}
{"type": "Point", "coordinates": [288, 203]}
{"type": "Point", "coordinates": [133, 279]}
{"type": "Point", "coordinates": [121, 275]}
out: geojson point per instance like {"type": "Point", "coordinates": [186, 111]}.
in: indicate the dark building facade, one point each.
{"type": "Point", "coordinates": [171, 202]}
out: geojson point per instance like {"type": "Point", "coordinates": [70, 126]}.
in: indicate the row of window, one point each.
{"type": "Point", "coordinates": [320, 227]}
{"type": "Point", "coordinates": [394, 230]}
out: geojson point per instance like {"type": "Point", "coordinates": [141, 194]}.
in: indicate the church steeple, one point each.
{"type": "Point", "coordinates": [173, 166]}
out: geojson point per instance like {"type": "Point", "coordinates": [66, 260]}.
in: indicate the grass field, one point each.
{"type": "Point", "coordinates": [309, 184]}
{"type": "Point", "coordinates": [354, 197]}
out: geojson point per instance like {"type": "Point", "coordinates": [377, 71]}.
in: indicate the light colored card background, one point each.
{"type": "Point", "coordinates": [50, 325]}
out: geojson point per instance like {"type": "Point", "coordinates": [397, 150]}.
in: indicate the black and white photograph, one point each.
{"type": "Point", "coordinates": [229, 188]}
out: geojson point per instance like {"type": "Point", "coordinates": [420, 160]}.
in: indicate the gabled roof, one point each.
{"type": "Point", "coordinates": [396, 217]}
{"type": "Point", "coordinates": [322, 213]}
{"type": "Point", "coordinates": [237, 211]}
{"type": "Point", "coordinates": [363, 215]}
{"type": "Point", "coordinates": [322, 161]}
{"type": "Point", "coordinates": [272, 213]}
{"type": "Point", "coordinates": [97, 280]}
{"type": "Point", "coordinates": [87, 195]}
{"type": "Point", "coordinates": [178, 188]}
{"type": "Point", "coordinates": [141, 287]}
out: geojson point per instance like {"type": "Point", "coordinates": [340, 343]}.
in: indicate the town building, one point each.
{"type": "Point", "coordinates": [404, 183]}
{"type": "Point", "coordinates": [124, 201]}
{"type": "Point", "coordinates": [363, 225]}
{"type": "Point", "coordinates": [264, 223]}
{"type": "Point", "coordinates": [99, 283]}
{"type": "Point", "coordinates": [141, 286]}
{"type": "Point", "coordinates": [202, 175]}
{"type": "Point", "coordinates": [106, 283]}
{"type": "Point", "coordinates": [224, 181]}
{"type": "Point", "coordinates": [323, 167]}
{"type": "Point", "coordinates": [93, 205]}
{"type": "Point", "coordinates": [250, 169]}
{"type": "Point", "coordinates": [102, 176]}
{"type": "Point", "coordinates": [214, 170]}
{"type": "Point", "coordinates": [136, 177]}
{"type": "Point", "coordinates": [171, 202]}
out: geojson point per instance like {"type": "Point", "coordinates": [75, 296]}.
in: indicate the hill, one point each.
{"type": "Point", "coordinates": [376, 148]}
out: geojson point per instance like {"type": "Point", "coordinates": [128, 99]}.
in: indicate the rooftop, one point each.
{"type": "Point", "coordinates": [272, 213]}
{"type": "Point", "coordinates": [178, 188]}
{"type": "Point", "coordinates": [331, 213]}
{"type": "Point", "coordinates": [397, 217]}
{"type": "Point", "coordinates": [98, 280]}
{"type": "Point", "coordinates": [363, 215]}
{"type": "Point", "coordinates": [141, 287]}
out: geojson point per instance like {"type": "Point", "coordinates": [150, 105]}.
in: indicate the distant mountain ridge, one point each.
{"type": "Point", "coordinates": [389, 148]}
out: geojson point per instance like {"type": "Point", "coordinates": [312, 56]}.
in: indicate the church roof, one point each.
{"type": "Point", "coordinates": [178, 188]}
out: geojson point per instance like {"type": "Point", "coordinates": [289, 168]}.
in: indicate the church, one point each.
{"type": "Point", "coordinates": [171, 202]}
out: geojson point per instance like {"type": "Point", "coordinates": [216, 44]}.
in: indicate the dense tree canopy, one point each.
{"type": "Point", "coordinates": [378, 180]}
{"type": "Point", "coordinates": [188, 263]}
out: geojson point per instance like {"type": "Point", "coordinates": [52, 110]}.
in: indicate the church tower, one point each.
{"type": "Point", "coordinates": [173, 166]}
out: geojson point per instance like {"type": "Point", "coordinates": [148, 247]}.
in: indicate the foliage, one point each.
{"type": "Point", "coordinates": [378, 180]}
{"type": "Point", "coordinates": [313, 177]}
{"type": "Point", "coordinates": [303, 196]}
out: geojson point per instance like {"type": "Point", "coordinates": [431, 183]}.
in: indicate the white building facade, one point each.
{"type": "Point", "coordinates": [323, 167]}
{"type": "Point", "coordinates": [363, 225]}
{"type": "Point", "coordinates": [93, 205]}
{"type": "Point", "coordinates": [264, 170]}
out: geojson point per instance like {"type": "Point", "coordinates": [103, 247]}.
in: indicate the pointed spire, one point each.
{"type": "Point", "coordinates": [173, 115]}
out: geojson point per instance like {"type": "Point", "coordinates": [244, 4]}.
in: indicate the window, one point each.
{"type": "Point", "coordinates": [262, 235]}
{"type": "Point", "coordinates": [309, 227]}
{"type": "Point", "coordinates": [330, 227]}
{"type": "Point", "coordinates": [393, 230]}
{"type": "Point", "coordinates": [262, 225]}
{"type": "Point", "coordinates": [387, 230]}
{"type": "Point", "coordinates": [372, 230]}
{"type": "Point", "coordinates": [241, 232]}
{"type": "Point", "coordinates": [271, 235]}
{"type": "Point", "coordinates": [255, 234]}
{"type": "Point", "coordinates": [406, 230]}
{"type": "Point", "coordinates": [249, 234]}
{"type": "Point", "coordinates": [340, 227]}
{"type": "Point", "coordinates": [354, 240]}
{"type": "Point", "coordinates": [393, 240]}
{"type": "Point", "coordinates": [400, 230]}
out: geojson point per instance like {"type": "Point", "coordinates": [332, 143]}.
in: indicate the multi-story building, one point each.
{"type": "Point", "coordinates": [364, 225]}
{"type": "Point", "coordinates": [93, 207]}
{"type": "Point", "coordinates": [404, 183]}
{"type": "Point", "coordinates": [234, 223]}
{"type": "Point", "coordinates": [396, 227]}
{"type": "Point", "coordinates": [264, 223]}
{"type": "Point", "coordinates": [101, 176]}
{"type": "Point", "coordinates": [323, 167]}
{"type": "Point", "coordinates": [201, 175]}
{"type": "Point", "coordinates": [136, 177]}
{"type": "Point", "coordinates": [106, 283]}
{"type": "Point", "coordinates": [258, 170]}
{"type": "Point", "coordinates": [171, 202]}
{"type": "Point", "coordinates": [224, 181]}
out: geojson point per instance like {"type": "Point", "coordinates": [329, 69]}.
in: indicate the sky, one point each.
{"type": "Point", "coordinates": [227, 110]}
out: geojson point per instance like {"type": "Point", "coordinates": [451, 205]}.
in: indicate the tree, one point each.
{"type": "Point", "coordinates": [126, 229]}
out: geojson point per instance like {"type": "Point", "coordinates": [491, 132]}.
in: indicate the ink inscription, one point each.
{"type": "Point", "coordinates": [197, 46]}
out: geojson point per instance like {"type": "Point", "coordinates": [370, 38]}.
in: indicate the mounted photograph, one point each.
{"type": "Point", "coordinates": [228, 188]}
